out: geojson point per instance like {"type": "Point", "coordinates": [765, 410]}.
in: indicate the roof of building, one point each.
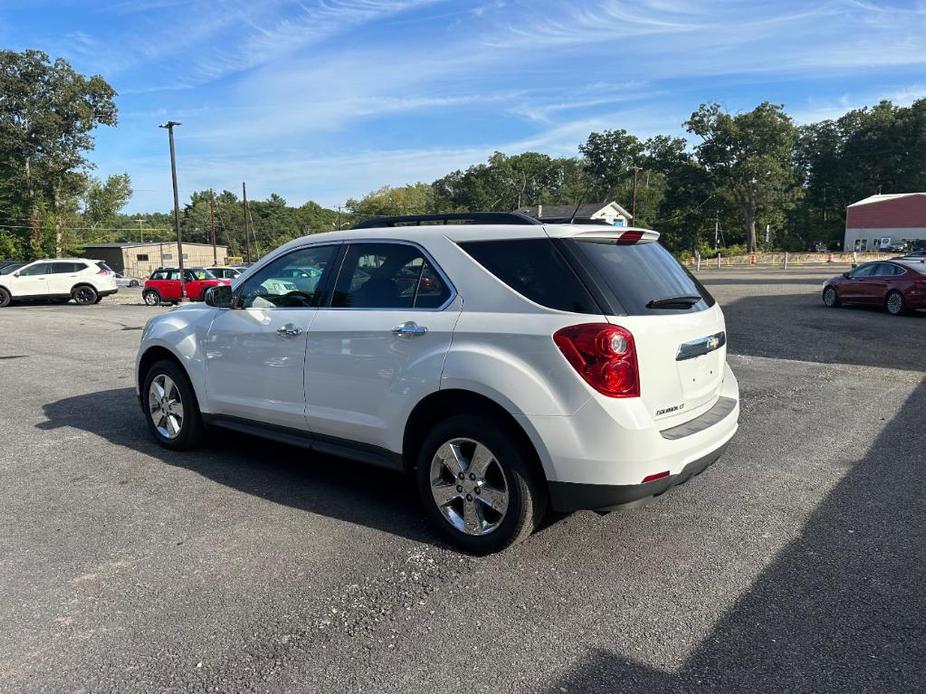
{"type": "Point", "coordinates": [883, 198]}
{"type": "Point", "coordinates": [586, 210]}
{"type": "Point", "coordinates": [134, 244]}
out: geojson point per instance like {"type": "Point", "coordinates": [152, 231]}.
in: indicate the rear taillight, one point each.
{"type": "Point", "coordinates": [604, 355]}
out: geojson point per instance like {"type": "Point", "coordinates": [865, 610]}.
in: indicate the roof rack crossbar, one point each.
{"type": "Point", "coordinates": [462, 217]}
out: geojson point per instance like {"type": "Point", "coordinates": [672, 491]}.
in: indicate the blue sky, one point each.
{"type": "Point", "coordinates": [327, 99]}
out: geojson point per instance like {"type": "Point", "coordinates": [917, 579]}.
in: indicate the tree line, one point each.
{"type": "Point", "coordinates": [737, 174]}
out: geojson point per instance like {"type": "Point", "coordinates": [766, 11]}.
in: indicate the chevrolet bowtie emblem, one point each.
{"type": "Point", "coordinates": [713, 342]}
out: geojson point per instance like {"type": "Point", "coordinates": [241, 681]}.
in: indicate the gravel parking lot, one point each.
{"type": "Point", "coordinates": [796, 563]}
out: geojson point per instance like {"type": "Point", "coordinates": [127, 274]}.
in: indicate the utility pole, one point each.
{"type": "Point", "coordinates": [169, 125]}
{"type": "Point", "coordinates": [215, 253]}
{"type": "Point", "coordinates": [339, 218]}
{"type": "Point", "coordinates": [633, 204]}
{"type": "Point", "coordinates": [716, 231]}
{"type": "Point", "coordinates": [247, 234]}
{"type": "Point", "coordinates": [141, 233]}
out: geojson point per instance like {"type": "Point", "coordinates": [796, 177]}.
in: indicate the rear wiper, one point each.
{"type": "Point", "coordinates": [674, 302]}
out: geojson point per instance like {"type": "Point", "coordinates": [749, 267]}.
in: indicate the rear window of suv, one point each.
{"type": "Point", "coordinates": [593, 276]}
{"type": "Point", "coordinates": [641, 278]}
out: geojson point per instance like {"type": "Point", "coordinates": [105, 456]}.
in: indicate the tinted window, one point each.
{"type": "Point", "coordinates": [535, 269]}
{"type": "Point", "coordinates": [640, 279]}
{"type": "Point", "coordinates": [388, 275]}
{"type": "Point", "coordinates": [60, 268]}
{"type": "Point", "coordinates": [11, 268]}
{"type": "Point", "coordinates": [37, 269]}
{"type": "Point", "coordinates": [292, 281]}
{"type": "Point", "coordinates": [863, 271]}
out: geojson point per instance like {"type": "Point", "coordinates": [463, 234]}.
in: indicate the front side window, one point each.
{"type": "Point", "coordinates": [294, 280]}
{"type": "Point", "coordinates": [388, 276]}
{"type": "Point", "coordinates": [37, 269]}
{"type": "Point", "coordinates": [863, 271]}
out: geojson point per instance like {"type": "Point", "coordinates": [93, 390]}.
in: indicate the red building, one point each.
{"type": "Point", "coordinates": [883, 221]}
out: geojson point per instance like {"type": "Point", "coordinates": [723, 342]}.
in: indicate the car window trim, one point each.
{"type": "Point", "coordinates": [322, 282]}
{"type": "Point", "coordinates": [427, 256]}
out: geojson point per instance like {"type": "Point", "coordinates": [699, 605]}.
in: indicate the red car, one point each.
{"type": "Point", "coordinates": [897, 285]}
{"type": "Point", "coordinates": [164, 285]}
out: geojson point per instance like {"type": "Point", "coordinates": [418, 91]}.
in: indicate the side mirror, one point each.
{"type": "Point", "coordinates": [846, 275]}
{"type": "Point", "coordinates": [219, 297]}
{"type": "Point", "coordinates": [854, 265]}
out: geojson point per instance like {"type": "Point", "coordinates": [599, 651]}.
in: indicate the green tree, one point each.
{"type": "Point", "coordinates": [47, 114]}
{"type": "Point", "coordinates": [749, 157]}
{"type": "Point", "coordinates": [417, 198]}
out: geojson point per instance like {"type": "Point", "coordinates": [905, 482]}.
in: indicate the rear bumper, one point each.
{"type": "Point", "coordinates": [566, 497]}
{"type": "Point", "coordinates": [615, 446]}
{"type": "Point", "coordinates": [107, 292]}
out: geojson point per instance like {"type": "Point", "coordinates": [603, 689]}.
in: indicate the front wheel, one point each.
{"type": "Point", "coordinates": [84, 295]}
{"type": "Point", "coordinates": [171, 408]}
{"type": "Point", "coordinates": [830, 297]}
{"type": "Point", "coordinates": [5, 298]}
{"type": "Point", "coordinates": [896, 304]}
{"type": "Point", "coordinates": [478, 485]}
{"type": "Point", "coordinates": [151, 297]}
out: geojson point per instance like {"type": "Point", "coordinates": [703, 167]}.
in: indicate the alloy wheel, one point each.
{"type": "Point", "coordinates": [165, 406]}
{"type": "Point", "coordinates": [895, 303]}
{"type": "Point", "coordinates": [469, 486]}
{"type": "Point", "coordinates": [829, 296]}
{"type": "Point", "coordinates": [84, 295]}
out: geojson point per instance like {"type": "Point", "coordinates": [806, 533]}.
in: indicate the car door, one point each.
{"type": "Point", "coordinates": [63, 277]}
{"type": "Point", "coordinates": [876, 284]}
{"type": "Point", "coordinates": [255, 351]}
{"type": "Point", "coordinates": [32, 280]}
{"type": "Point", "coordinates": [854, 288]}
{"type": "Point", "coordinates": [194, 284]}
{"type": "Point", "coordinates": [380, 345]}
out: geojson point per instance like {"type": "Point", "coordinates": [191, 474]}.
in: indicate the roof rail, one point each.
{"type": "Point", "coordinates": [459, 217]}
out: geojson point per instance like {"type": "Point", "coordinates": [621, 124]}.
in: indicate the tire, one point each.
{"type": "Point", "coordinates": [134, 283]}
{"type": "Point", "coordinates": [151, 297]}
{"type": "Point", "coordinates": [830, 297]}
{"type": "Point", "coordinates": [165, 387]}
{"type": "Point", "coordinates": [84, 295]}
{"type": "Point", "coordinates": [467, 520]}
{"type": "Point", "coordinates": [895, 303]}
{"type": "Point", "coordinates": [5, 297]}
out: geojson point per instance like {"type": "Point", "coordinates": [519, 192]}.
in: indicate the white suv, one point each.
{"type": "Point", "coordinates": [59, 279]}
{"type": "Point", "coordinates": [511, 365]}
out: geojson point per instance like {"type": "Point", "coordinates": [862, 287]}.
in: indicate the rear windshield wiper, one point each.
{"type": "Point", "coordinates": [674, 302]}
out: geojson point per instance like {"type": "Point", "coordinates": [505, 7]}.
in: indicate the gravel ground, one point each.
{"type": "Point", "coordinates": [796, 563]}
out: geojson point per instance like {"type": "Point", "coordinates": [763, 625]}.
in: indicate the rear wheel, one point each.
{"type": "Point", "coordinates": [5, 298]}
{"type": "Point", "coordinates": [896, 304]}
{"type": "Point", "coordinates": [830, 297]}
{"type": "Point", "coordinates": [151, 297]}
{"type": "Point", "coordinates": [170, 406]}
{"type": "Point", "coordinates": [478, 485]}
{"type": "Point", "coordinates": [84, 295]}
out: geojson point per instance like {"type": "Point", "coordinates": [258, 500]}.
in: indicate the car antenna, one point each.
{"type": "Point", "coordinates": [572, 219]}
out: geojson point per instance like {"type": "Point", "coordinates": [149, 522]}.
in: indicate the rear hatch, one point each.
{"type": "Point", "coordinates": [677, 326]}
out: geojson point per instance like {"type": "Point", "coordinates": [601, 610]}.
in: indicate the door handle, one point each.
{"type": "Point", "coordinates": [409, 329]}
{"type": "Point", "coordinates": [289, 330]}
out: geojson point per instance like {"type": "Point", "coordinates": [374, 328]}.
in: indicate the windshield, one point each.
{"type": "Point", "coordinates": [11, 268]}
{"type": "Point", "coordinates": [642, 279]}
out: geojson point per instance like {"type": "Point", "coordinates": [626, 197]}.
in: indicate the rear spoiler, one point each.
{"type": "Point", "coordinates": [623, 235]}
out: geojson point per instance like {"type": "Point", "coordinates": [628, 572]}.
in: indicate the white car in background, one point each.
{"type": "Point", "coordinates": [510, 365]}
{"type": "Point", "coordinates": [59, 279]}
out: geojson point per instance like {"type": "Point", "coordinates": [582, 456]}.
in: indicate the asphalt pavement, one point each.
{"type": "Point", "coordinates": [796, 563]}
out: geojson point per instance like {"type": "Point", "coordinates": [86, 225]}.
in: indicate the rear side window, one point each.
{"type": "Point", "coordinates": [535, 269]}
{"type": "Point", "coordinates": [388, 276]}
{"type": "Point", "coordinates": [641, 279]}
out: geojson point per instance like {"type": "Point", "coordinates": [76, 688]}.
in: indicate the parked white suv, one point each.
{"type": "Point", "coordinates": [511, 365]}
{"type": "Point", "coordinates": [59, 279]}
